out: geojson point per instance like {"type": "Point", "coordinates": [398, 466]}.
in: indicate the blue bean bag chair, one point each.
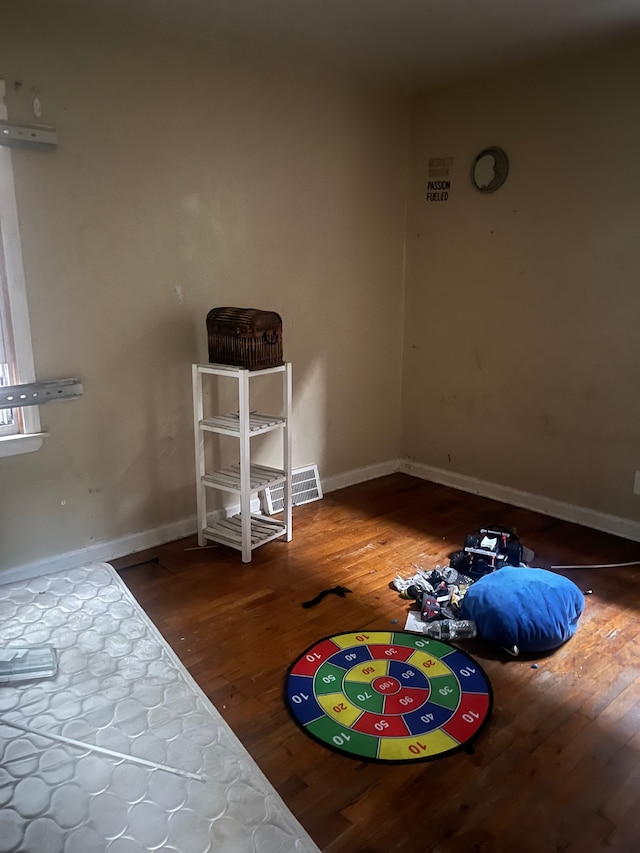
{"type": "Point", "coordinates": [532, 609]}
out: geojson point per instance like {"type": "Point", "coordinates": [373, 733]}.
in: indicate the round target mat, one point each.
{"type": "Point", "coordinates": [388, 696]}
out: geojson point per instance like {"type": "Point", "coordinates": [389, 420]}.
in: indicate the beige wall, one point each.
{"type": "Point", "coordinates": [186, 179]}
{"type": "Point", "coordinates": [521, 355]}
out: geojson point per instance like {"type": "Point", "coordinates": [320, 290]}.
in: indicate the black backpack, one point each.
{"type": "Point", "coordinates": [488, 549]}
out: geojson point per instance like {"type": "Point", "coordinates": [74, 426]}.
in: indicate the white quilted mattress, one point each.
{"type": "Point", "coordinates": [138, 759]}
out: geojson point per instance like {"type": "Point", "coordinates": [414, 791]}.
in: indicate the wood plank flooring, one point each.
{"type": "Point", "coordinates": [556, 769]}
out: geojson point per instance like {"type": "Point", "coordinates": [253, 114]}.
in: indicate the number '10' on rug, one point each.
{"type": "Point", "coordinates": [388, 696]}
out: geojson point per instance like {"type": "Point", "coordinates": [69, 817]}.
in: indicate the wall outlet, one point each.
{"type": "Point", "coordinates": [636, 483]}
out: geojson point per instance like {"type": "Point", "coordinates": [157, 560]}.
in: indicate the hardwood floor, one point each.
{"type": "Point", "coordinates": [556, 769]}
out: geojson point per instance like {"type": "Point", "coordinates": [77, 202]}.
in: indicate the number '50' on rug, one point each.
{"type": "Point", "coordinates": [388, 696]}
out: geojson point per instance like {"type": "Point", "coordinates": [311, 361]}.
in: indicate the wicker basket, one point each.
{"type": "Point", "coordinates": [245, 337]}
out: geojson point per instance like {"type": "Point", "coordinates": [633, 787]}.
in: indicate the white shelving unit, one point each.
{"type": "Point", "coordinates": [244, 531]}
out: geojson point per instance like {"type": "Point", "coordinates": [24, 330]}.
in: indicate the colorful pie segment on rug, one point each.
{"type": "Point", "coordinates": [388, 696]}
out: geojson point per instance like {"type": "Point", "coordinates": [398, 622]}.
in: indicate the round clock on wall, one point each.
{"type": "Point", "coordinates": [489, 170]}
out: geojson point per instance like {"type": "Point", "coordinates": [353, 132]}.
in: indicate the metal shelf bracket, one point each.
{"type": "Point", "coordinates": [37, 393]}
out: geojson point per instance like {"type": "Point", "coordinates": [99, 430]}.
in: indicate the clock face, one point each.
{"type": "Point", "coordinates": [489, 170]}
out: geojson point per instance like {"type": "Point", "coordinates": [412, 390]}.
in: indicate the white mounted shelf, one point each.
{"type": "Point", "coordinates": [229, 531]}
{"type": "Point", "coordinates": [229, 479]}
{"type": "Point", "coordinates": [244, 530]}
{"type": "Point", "coordinates": [230, 424]}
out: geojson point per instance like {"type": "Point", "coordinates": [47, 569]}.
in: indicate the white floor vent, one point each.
{"type": "Point", "coordinates": [305, 487]}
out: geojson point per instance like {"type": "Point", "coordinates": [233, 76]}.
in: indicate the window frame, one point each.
{"type": "Point", "coordinates": [26, 436]}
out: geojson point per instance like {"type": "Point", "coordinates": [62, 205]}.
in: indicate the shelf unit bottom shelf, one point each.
{"type": "Point", "coordinates": [229, 531]}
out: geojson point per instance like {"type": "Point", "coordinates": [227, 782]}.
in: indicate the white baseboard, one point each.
{"type": "Point", "coordinates": [359, 475]}
{"type": "Point", "coordinates": [624, 527]}
{"type": "Point", "coordinates": [124, 545]}
{"type": "Point", "coordinates": [104, 551]}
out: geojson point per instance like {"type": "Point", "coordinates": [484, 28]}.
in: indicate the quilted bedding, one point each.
{"type": "Point", "coordinates": [135, 757]}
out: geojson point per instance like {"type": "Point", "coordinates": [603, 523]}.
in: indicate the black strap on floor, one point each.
{"type": "Point", "coordinates": [337, 590]}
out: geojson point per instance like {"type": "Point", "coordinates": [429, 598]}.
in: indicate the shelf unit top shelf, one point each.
{"type": "Point", "coordinates": [232, 370]}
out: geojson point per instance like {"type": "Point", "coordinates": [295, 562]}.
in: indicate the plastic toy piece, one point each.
{"type": "Point", "coordinates": [341, 591]}
{"type": "Point", "coordinates": [20, 663]}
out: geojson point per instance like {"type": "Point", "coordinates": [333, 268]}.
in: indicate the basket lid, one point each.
{"type": "Point", "coordinates": [242, 320]}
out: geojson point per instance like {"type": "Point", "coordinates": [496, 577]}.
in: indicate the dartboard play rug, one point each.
{"type": "Point", "coordinates": [388, 696]}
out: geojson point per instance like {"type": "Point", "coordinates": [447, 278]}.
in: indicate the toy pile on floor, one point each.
{"type": "Point", "coordinates": [489, 590]}
{"type": "Point", "coordinates": [438, 593]}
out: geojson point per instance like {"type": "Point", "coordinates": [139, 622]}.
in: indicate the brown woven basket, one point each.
{"type": "Point", "coordinates": [245, 337]}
